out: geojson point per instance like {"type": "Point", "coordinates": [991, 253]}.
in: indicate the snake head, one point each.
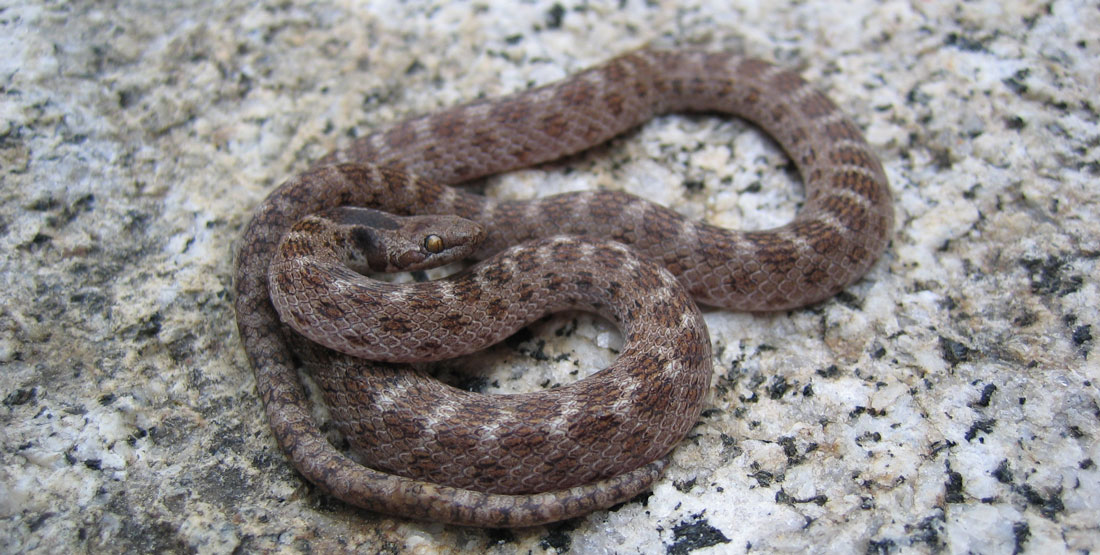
{"type": "Point", "coordinates": [374, 241]}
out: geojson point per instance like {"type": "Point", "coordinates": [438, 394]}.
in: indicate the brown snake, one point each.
{"type": "Point", "coordinates": [838, 233]}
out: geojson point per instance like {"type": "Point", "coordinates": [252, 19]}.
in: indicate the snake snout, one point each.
{"type": "Point", "coordinates": [382, 242]}
{"type": "Point", "coordinates": [424, 242]}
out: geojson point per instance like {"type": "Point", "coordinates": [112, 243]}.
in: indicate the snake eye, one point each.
{"type": "Point", "coordinates": [433, 244]}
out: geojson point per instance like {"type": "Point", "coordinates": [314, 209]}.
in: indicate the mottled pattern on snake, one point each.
{"type": "Point", "coordinates": [840, 230]}
{"type": "Point", "coordinates": [611, 423]}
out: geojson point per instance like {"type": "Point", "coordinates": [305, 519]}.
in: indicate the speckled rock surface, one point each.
{"type": "Point", "coordinates": [947, 402]}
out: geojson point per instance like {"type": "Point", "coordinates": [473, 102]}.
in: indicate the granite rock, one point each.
{"type": "Point", "coordinates": [947, 402]}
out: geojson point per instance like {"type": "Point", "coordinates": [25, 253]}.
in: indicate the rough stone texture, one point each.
{"type": "Point", "coordinates": [947, 402]}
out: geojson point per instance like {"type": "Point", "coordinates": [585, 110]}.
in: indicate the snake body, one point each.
{"type": "Point", "coordinates": [408, 168]}
{"type": "Point", "coordinates": [404, 422]}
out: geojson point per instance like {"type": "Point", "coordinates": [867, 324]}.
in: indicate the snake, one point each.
{"type": "Point", "coordinates": [388, 202]}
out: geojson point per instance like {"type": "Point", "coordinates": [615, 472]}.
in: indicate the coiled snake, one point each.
{"type": "Point", "coordinates": [442, 454]}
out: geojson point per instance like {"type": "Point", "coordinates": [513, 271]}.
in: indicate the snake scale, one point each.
{"type": "Point", "coordinates": [518, 460]}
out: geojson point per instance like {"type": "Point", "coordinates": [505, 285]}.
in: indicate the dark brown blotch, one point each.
{"type": "Point", "coordinates": [843, 130]}
{"type": "Point", "coordinates": [661, 224]}
{"type": "Point", "coordinates": [483, 140]}
{"type": "Point", "coordinates": [400, 136]}
{"type": "Point", "coordinates": [512, 112]}
{"type": "Point", "coordinates": [851, 214]}
{"type": "Point", "coordinates": [770, 250]}
{"type": "Point", "coordinates": [448, 125]}
{"type": "Point", "coordinates": [816, 105]}
{"type": "Point", "coordinates": [614, 103]}
{"type": "Point", "coordinates": [753, 68]}
{"type": "Point", "coordinates": [821, 238]}
{"type": "Point", "coordinates": [395, 324]}
{"type": "Point", "coordinates": [577, 93]}
{"type": "Point", "coordinates": [861, 184]}
{"type": "Point", "coordinates": [553, 125]}
{"type": "Point", "coordinates": [853, 156]}
{"type": "Point", "coordinates": [614, 72]}
{"type": "Point", "coordinates": [787, 82]}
